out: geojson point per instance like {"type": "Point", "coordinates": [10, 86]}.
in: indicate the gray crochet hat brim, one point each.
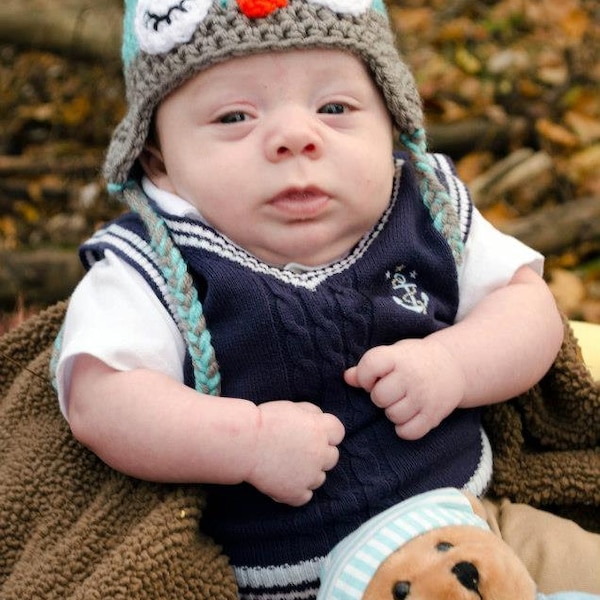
{"type": "Point", "coordinates": [226, 33]}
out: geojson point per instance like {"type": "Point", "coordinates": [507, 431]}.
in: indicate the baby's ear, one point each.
{"type": "Point", "coordinates": [155, 168]}
{"type": "Point", "coordinates": [152, 161]}
{"type": "Point", "coordinates": [476, 505]}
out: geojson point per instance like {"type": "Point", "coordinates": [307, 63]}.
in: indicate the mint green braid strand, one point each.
{"type": "Point", "coordinates": [191, 321]}
{"type": "Point", "coordinates": [435, 196]}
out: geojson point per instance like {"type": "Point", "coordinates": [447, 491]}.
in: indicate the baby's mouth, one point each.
{"type": "Point", "coordinates": [301, 203]}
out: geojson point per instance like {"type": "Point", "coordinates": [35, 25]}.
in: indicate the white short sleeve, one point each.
{"type": "Point", "coordinates": [114, 316]}
{"type": "Point", "coordinates": [491, 259]}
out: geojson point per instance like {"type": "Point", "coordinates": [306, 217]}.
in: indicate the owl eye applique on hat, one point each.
{"type": "Point", "coordinates": [351, 7]}
{"type": "Point", "coordinates": [160, 25]}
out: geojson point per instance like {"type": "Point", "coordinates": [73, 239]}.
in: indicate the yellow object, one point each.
{"type": "Point", "coordinates": [588, 336]}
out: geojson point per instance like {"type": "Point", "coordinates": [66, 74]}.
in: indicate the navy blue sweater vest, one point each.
{"type": "Point", "coordinates": [284, 335]}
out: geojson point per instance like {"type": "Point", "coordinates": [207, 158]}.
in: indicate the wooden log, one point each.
{"type": "Point", "coordinates": [553, 230]}
{"type": "Point", "coordinates": [461, 137]}
{"type": "Point", "coordinates": [26, 165]}
{"type": "Point", "coordinates": [518, 169]}
{"type": "Point", "coordinates": [41, 277]}
{"type": "Point", "coordinates": [79, 28]}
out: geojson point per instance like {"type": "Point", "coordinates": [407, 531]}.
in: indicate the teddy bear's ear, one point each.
{"type": "Point", "coordinates": [476, 505]}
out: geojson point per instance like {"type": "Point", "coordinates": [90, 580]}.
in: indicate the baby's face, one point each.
{"type": "Point", "coordinates": [288, 154]}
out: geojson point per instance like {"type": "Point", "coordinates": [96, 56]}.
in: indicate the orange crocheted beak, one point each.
{"type": "Point", "coordinates": [255, 9]}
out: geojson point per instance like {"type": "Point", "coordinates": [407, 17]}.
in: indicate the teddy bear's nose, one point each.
{"type": "Point", "coordinates": [401, 590]}
{"type": "Point", "coordinates": [468, 575]}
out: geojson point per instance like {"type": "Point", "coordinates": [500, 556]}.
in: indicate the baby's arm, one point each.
{"type": "Point", "coordinates": [504, 345]}
{"type": "Point", "coordinates": [147, 425]}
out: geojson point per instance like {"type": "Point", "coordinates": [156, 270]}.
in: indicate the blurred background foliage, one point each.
{"type": "Point", "coordinates": [510, 90]}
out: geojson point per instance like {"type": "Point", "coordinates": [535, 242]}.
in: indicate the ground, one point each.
{"type": "Point", "coordinates": [512, 82]}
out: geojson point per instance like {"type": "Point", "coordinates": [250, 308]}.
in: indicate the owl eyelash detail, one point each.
{"type": "Point", "coordinates": [155, 19]}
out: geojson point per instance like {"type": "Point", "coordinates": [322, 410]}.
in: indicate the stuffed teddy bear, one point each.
{"type": "Point", "coordinates": [435, 546]}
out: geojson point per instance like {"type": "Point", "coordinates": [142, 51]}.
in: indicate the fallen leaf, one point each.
{"type": "Point", "coordinates": [586, 128]}
{"type": "Point", "coordinates": [412, 20]}
{"type": "Point", "coordinates": [556, 134]}
{"type": "Point", "coordinates": [8, 233]}
{"type": "Point", "coordinates": [473, 164]}
{"type": "Point", "coordinates": [568, 290]}
{"type": "Point", "coordinates": [585, 163]}
{"type": "Point", "coordinates": [467, 61]}
{"type": "Point", "coordinates": [575, 24]}
{"type": "Point", "coordinates": [76, 111]}
{"type": "Point", "coordinates": [590, 311]}
{"type": "Point", "coordinates": [499, 213]}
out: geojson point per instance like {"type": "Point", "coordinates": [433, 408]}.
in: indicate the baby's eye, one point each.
{"type": "Point", "coordinates": [333, 108]}
{"type": "Point", "coordinates": [233, 117]}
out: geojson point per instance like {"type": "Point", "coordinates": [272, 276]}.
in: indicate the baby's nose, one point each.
{"type": "Point", "coordinates": [293, 136]}
{"type": "Point", "coordinates": [291, 148]}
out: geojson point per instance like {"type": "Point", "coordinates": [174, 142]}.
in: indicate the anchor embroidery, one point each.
{"type": "Point", "coordinates": [409, 296]}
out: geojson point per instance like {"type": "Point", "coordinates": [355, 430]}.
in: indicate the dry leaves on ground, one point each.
{"type": "Point", "coordinates": [511, 83]}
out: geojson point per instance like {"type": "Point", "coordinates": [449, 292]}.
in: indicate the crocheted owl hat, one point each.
{"type": "Point", "coordinates": [166, 42]}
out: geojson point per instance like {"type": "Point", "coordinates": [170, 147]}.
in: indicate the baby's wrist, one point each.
{"type": "Point", "coordinates": [452, 366]}
{"type": "Point", "coordinates": [249, 447]}
{"type": "Point", "coordinates": [235, 455]}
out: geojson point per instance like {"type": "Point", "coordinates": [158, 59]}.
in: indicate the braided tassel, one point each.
{"type": "Point", "coordinates": [435, 195]}
{"type": "Point", "coordinates": [191, 321]}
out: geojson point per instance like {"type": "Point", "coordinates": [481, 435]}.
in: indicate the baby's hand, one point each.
{"type": "Point", "coordinates": [296, 445]}
{"type": "Point", "coordinates": [417, 382]}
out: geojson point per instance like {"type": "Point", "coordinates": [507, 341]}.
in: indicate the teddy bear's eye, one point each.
{"type": "Point", "coordinates": [444, 546]}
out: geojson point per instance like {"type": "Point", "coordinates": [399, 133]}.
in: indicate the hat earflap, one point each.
{"type": "Point", "coordinates": [190, 316]}
{"type": "Point", "coordinates": [435, 195]}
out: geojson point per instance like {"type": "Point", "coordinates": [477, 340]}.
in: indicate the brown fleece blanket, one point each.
{"type": "Point", "coordinates": [546, 442]}
{"type": "Point", "coordinates": [72, 528]}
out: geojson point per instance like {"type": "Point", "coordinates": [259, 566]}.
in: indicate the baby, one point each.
{"type": "Point", "coordinates": [291, 314]}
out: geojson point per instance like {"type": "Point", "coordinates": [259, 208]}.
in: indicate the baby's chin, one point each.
{"type": "Point", "coordinates": [307, 247]}
{"type": "Point", "coordinates": [303, 260]}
